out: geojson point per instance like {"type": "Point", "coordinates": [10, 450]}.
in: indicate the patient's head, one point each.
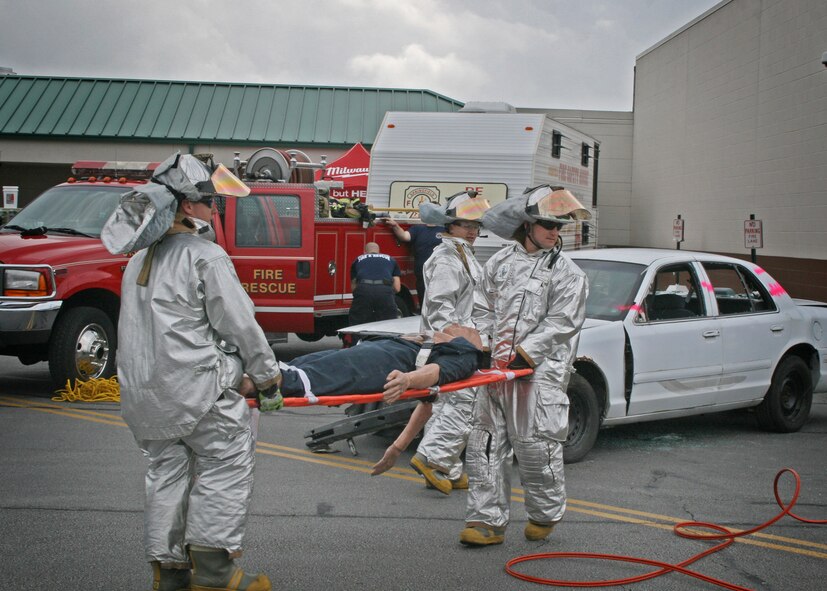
{"type": "Point", "coordinates": [455, 330]}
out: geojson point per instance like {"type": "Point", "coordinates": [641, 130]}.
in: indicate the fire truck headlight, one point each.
{"type": "Point", "coordinates": [24, 283]}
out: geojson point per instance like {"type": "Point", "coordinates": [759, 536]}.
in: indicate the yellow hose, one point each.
{"type": "Point", "coordinates": [93, 390]}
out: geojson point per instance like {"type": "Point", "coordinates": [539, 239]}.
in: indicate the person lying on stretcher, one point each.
{"type": "Point", "coordinates": [390, 365]}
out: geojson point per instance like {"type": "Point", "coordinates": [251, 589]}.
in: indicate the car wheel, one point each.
{"type": "Point", "coordinates": [584, 420]}
{"type": "Point", "coordinates": [82, 346]}
{"type": "Point", "coordinates": [310, 337]}
{"type": "Point", "coordinates": [786, 405]}
{"type": "Point", "coordinates": [402, 308]}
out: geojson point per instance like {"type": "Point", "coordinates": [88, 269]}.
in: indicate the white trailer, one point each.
{"type": "Point", "coordinates": [487, 147]}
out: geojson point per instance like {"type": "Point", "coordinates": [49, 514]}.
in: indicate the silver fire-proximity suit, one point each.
{"type": "Point", "coordinates": [531, 310]}
{"type": "Point", "coordinates": [451, 277]}
{"type": "Point", "coordinates": [185, 339]}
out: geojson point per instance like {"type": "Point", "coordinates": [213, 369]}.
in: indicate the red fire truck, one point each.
{"type": "Point", "coordinates": [60, 288]}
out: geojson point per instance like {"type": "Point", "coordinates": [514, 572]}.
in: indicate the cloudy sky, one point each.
{"type": "Point", "coordinates": [531, 53]}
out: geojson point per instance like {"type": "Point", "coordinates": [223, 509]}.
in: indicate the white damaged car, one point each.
{"type": "Point", "coordinates": [673, 333]}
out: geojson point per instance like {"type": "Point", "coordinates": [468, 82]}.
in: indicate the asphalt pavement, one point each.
{"type": "Point", "coordinates": [71, 494]}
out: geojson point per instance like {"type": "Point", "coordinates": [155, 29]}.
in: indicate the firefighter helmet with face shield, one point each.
{"type": "Point", "coordinates": [553, 204]}
{"type": "Point", "coordinates": [462, 206]}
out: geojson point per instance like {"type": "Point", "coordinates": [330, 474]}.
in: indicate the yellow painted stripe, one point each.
{"type": "Point", "coordinates": [611, 512]}
{"type": "Point", "coordinates": [96, 417]}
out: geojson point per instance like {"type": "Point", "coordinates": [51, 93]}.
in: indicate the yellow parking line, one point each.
{"type": "Point", "coordinates": [611, 512]}
{"type": "Point", "coordinates": [76, 413]}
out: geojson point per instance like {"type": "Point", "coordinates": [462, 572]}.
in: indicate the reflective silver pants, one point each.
{"type": "Point", "coordinates": [446, 432]}
{"type": "Point", "coordinates": [508, 423]}
{"type": "Point", "coordinates": [198, 487]}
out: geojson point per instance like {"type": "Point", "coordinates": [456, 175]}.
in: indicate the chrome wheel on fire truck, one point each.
{"type": "Point", "coordinates": [83, 346]}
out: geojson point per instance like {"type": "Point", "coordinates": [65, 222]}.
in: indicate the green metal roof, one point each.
{"type": "Point", "coordinates": [201, 112]}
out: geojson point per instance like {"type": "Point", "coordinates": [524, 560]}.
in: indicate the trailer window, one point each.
{"type": "Point", "coordinates": [268, 221]}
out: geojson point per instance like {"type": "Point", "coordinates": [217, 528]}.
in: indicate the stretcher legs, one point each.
{"type": "Point", "coordinates": [396, 415]}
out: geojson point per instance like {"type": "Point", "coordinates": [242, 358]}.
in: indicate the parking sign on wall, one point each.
{"type": "Point", "coordinates": [677, 230]}
{"type": "Point", "coordinates": [753, 234]}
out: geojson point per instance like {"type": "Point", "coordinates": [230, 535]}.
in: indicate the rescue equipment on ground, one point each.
{"type": "Point", "coordinates": [686, 529]}
{"type": "Point", "coordinates": [92, 390]}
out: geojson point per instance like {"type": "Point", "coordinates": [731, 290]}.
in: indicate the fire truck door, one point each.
{"type": "Point", "coordinates": [270, 241]}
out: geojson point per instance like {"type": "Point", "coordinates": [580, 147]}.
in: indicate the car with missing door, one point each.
{"type": "Point", "coordinates": [674, 333]}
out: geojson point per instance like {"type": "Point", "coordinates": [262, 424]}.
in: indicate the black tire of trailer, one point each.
{"type": "Point", "coordinates": [584, 419]}
{"type": "Point", "coordinates": [786, 405]}
{"type": "Point", "coordinates": [82, 346]}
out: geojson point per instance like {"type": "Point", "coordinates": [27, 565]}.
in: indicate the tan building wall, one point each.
{"type": "Point", "coordinates": [731, 120]}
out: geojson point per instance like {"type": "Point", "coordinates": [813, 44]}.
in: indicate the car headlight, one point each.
{"type": "Point", "coordinates": [25, 283]}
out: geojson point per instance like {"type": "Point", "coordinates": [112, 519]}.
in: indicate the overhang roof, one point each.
{"type": "Point", "coordinates": [201, 112]}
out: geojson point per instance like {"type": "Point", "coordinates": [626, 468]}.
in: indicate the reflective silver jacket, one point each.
{"type": "Point", "coordinates": [526, 308]}
{"type": "Point", "coordinates": [185, 337]}
{"type": "Point", "coordinates": [451, 276]}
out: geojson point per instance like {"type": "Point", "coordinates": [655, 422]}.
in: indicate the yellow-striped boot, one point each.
{"type": "Point", "coordinates": [213, 570]}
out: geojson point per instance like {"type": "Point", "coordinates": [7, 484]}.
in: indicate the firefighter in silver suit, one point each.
{"type": "Point", "coordinates": [531, 304]}
{"type": "Point", "coordinates": [451, 276]}
{"type": "Point", "coordinates": [189, 346]}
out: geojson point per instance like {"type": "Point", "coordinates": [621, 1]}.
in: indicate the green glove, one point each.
{"type": "Point", "coordinates": [271, 402]}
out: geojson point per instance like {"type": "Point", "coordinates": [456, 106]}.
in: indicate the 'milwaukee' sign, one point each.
{"type": "Point", "coordinates": [352, 170]}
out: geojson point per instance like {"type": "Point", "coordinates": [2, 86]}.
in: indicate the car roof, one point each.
{"type": "Point", "coordinates": [647, 256]}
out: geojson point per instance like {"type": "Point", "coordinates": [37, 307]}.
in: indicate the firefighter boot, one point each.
{"type": "Point", "coordinates": [538, 531]}
{"type": "Point", "coordinates": [432, 476]}
{"type": "Point", "coordinates": [460, 483]}
{"type": "Point", "coordinates": [169, 579]}
{"type": "Point", "coordinates": [213, 570]}
{"type": "Point", "coordinates": [479, 534]}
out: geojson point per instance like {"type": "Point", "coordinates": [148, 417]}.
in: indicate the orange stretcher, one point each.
{"type": "Point", "coordinates": [367, 414]}
{"type": "Point", "coordinates": [480, 378]}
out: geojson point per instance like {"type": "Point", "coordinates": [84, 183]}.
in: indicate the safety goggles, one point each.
{"type": "Point", "coordinates": [549, 225]}
{"type": "Point", "coordinates": [208, 201]}
{"type": "Point", "coordinates": [466, 225]}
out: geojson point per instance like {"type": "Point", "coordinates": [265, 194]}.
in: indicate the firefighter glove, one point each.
{"type": "Point", "coordinates": [519, 362]}
{"type": "Point", "coordinates": [270, 399]}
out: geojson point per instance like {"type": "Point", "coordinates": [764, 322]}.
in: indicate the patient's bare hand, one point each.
{"type": "Point", "coordinates": [247, 388]}
{"type": "Point", "coordinates": [387, 462]}
{"type": "Point", "coordinates": [397, 383]}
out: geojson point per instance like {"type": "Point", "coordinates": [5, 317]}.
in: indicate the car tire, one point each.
{"type": "Point", "coordinates": [310, 337]}
{"type": "Point", "coordinates": [82, 346]}
{"type": "Point", "coordinates": [786, 405]}
{"type": "Point", "coordinates": [402, 308]}
{"type": "Point", "coordinates": [584, 419]}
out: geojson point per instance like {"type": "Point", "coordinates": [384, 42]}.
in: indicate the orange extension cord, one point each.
{"type": "Point", "coordinates": [680, 529]}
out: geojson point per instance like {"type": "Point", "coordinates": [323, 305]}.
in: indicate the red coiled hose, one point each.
{"type": "Point", "coordinates": [724, 534]}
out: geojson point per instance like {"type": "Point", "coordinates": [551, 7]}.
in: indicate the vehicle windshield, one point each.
{"type": "Point", "coordinates": [72, 210]}
{"type": "Point", "coordinates": [612, 287]}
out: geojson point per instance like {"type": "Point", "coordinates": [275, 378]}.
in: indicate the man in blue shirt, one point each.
{"type": "Point", "coordinates": [374, 279]}
{"type": "Point", "coordinates": [424, 238]}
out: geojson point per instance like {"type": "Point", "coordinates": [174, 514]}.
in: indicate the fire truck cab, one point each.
{"type": "Point", "coordinates": [60, 288]}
